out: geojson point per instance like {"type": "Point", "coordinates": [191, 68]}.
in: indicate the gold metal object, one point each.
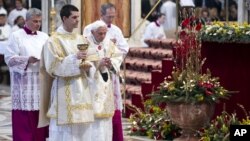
{"type": "Point", "coordinates": [52, 21]}
{"type": "Point", "coordinates": [83, 47]}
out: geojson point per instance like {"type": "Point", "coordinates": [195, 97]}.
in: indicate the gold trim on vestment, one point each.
{"type": "Point", "coordinates": [82, 106]}
{"type": "Point", "coordinates": [75, 123]}
{"type": "Point", "coordinates": [68, 98]}
{"type": "Point", "coordinates": [103, 115]}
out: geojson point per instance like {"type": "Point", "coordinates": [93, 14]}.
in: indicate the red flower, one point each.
{"type": "Point", "coordinates": [134, 129]}
{"type": "Point", "coordinates": [185, 23]}
{"type": "Point", "coordinates": [208, 85]}
{"type": "Point", "coordinates": [200, 84]}
{"type": "Point", "coordinates": [143, 130]}
{"type": "Point", "coordinates": [151, 111]}
{"type": "Point", "coordinates": [208, 92]}
{"type": "Point", "coordinates": [198, 27]}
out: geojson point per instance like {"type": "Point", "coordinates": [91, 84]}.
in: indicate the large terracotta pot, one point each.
{"type": "Point", "coordinates": [190, 117]}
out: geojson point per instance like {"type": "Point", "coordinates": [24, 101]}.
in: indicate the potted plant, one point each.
{"type": "Point", "coordinates": [189, 93]}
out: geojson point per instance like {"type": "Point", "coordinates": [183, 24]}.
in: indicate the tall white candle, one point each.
{"type": "Point", "coordinates": [29, 3]}
{"type": "Point", "coordinates": [52, 4]}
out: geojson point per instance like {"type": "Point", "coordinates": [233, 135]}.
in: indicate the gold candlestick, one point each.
{"type": "Point", "coordinates": [52, 20]}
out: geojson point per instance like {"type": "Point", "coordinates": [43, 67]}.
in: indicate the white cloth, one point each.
{"type": "Point", "coordinates": [5, 32]}
{"type": "Point", "coordinates": [15, 13]}
{"type": "Point", "coordinates": [114, 32]}
{"type": "Point", "coordinates": [105, 49]}
{"type": "Point", "coordinates": [187, 3]}
{"type": "Point", "coordinates": [153, 31]}
{"type": "Point", "coordinates": [24, 77]}
{"type": "Point", "coordinates": [15, 28]}
{"type": "Point", "coordinates": [82, 132]}
{"type": "Point", "coordinates": [3, 11]}
{"type": "Point", "coordinates": [3, 46]}
{"type": "Point", "coordinates": [169, 9]}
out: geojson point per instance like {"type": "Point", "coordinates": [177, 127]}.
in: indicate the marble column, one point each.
{"type": "Point", "coordinates": [136, 19]}
{"type": "Point", "coordinates": [242, 12]}
{"type": "Point", "coordinates": [45, 16]}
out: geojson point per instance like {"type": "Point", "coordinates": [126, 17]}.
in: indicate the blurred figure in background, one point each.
{"type": "Point", "coordinates": [18, 11]}
{"type": "Point", "coordinates": [18, 23]}
{"type": "Point", "coordinates": [5, 31]}
{"type": "Point", "coordinates": [155, 29]}
{"type": "Point", "coordinates": [5, 28]}
{"type": "Point", "coordinates": [2, 5]}
{"type": "Point", "coordinates": [205, 15]}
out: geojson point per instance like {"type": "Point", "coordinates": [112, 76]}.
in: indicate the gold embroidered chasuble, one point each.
{"type": "Point", "coordinates": [71, 100]}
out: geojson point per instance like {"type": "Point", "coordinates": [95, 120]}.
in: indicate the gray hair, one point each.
{"type": "Point", "coordinates": [106, 6]}
{"type": "Point", "coordinates": [33, 12]}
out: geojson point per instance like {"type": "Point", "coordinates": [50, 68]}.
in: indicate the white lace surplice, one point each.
{"type": "Point", "coordinates": [25, 88]}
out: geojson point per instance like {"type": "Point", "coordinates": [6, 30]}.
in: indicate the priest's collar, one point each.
{"type": "Point", "coordinates": [61, 29]}
{"type": "Point", "coordinates": [19, 9]}
{"type": "Point", "coordinates": [28, 31]}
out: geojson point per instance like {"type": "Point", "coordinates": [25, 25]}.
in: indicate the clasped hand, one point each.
{"type": "Point", "coordinates": [105, 62]}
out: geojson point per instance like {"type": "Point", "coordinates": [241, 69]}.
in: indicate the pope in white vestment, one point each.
{"type": "Point", "coordinates": [114, 33]}
{"type": "Point", "coordinates": [103, 97]}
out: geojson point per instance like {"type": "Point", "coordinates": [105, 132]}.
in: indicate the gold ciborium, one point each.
{"type": "Point", "coordinates": [83, 47]}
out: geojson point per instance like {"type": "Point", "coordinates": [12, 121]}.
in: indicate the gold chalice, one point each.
{"type": "Point", "coordinates": [83, 47]}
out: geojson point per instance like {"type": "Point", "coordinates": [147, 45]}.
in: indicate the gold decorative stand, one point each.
{"type": "Point", "coordinates": [52, 15]}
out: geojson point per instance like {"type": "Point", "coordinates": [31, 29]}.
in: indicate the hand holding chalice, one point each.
{"type": "Point", "coordinates": [83, 48]}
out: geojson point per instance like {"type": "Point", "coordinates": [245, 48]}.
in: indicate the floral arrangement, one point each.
{"type": "Point", "coordinates": [191, 88]}
{"type": "Point", "coordinates": [218, 129]}
{"type": "Point", "coordinates": [188, 83]}
{"type": "Point", "coordinates": [153, 123]}
{"type": "Point", "coordinates": [226, 32]}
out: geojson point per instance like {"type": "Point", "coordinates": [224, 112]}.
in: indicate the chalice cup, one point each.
{"type": "Point", "coordinates": [83, 47]}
